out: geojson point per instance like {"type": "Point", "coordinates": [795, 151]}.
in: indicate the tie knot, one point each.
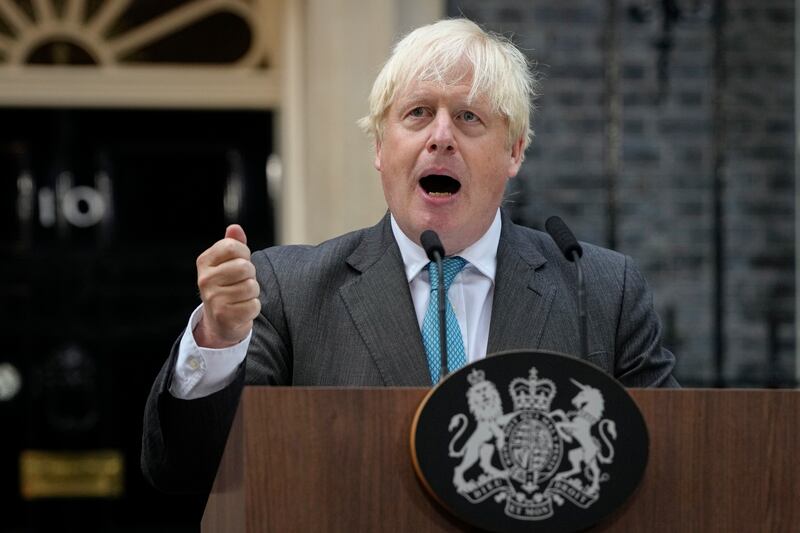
{"type": "Point", "coordinates": [451, 266]}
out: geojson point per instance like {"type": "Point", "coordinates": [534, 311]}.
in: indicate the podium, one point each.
{"type": "Point", "coordinates": [317, 459]}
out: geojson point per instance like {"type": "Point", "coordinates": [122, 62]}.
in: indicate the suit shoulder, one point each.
{"type": "Point", "coordinates": [601, 266]}
{"type": "Point", "coordinates": [605, 255]}
{"type": "Point", "coordinates": [336, 248]}
{"type": "Point", "coordinates": [547, 247]}
{"type": "Point", "coordinates": [327, 263]}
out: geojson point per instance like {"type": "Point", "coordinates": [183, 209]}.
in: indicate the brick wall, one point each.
{"type": "Point", "coordinates": [665, 190]}
{"type": "Point", "coordinates": [759, 104]}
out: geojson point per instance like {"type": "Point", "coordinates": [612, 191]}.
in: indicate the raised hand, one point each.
{"type": "Point", "coordinates": [229, 290]}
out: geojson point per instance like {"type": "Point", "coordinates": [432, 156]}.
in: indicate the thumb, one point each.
{"type": "Point", "coordinates": [235, 231]}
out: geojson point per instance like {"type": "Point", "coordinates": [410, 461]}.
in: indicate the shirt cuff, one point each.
{"type": "Point", "coordinates": [199, 371]}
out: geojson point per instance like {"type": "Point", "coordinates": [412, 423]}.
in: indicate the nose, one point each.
{"type": "Point", "coordinates": [441, 139]}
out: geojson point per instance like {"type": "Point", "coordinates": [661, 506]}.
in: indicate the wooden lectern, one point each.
{"type": "Point", "coordinates": [314, 459]}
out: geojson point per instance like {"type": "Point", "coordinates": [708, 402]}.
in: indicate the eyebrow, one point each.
{"type": "Point", "coordinates": [424, 96]}
{"type": "Point", "coordinates": [414, 97]}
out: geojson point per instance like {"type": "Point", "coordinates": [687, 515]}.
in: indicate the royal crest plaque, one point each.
{"type": "Point", "coordinates": [530, 441]}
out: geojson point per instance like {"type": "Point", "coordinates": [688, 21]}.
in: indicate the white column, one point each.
{"type": "Point", "coordinates": [333, 50]}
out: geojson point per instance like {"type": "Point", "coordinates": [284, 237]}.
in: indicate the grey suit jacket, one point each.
{"type": "Point", "coordinates": [340, 314]}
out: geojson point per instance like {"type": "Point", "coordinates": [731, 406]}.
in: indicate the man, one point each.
{"type": "Point", "coordinates": [450, 116]}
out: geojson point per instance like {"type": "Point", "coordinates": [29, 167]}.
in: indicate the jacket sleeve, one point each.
{"type": "Point", "coordinates": [183, 440]}
{"type": "Point", "coordinates": [641, 360]}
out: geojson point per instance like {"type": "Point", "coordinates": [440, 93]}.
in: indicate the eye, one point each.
{"type": "Point", "coordinates": [469, 116]}
{"type": "Point", "coordinates": [417, 112]}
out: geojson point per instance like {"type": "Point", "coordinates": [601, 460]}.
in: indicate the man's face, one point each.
{"type": "Point", "coordinates": [444, 162]}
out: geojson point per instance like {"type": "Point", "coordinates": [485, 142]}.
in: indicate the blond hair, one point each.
{"type": "Point", "coordinates": [438, 52]}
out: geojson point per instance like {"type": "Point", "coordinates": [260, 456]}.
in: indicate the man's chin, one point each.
{"type": "Point", "coordinates": [457, 234]}
{"type": "Point", "coordinates": [455, 237]}
{"type": "Point", "coordinates": [439, 219]}
{"type": "Point", "coordinates": [445, 227]}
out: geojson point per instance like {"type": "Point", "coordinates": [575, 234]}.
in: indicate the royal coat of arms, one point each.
{"type": "Point", "coordinates": [518, 457]}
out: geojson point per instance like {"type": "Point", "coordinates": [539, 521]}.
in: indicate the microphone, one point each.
{"type": "Point", "coordinates": [563, 237]}
{"type": "Point", "coordinates": [435, 251]}
{"type": "Point", "coordinates": [569, 246]}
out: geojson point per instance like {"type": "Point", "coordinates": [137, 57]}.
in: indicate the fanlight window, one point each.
{"type": "Point", "coordinates": [174, 46]}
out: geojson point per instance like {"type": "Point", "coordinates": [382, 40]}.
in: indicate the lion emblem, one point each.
{"type": "Point", "coordinates": [486, 406]}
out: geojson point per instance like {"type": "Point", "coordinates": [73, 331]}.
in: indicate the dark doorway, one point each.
{"type": "Point", "coordinates": [102, 214]}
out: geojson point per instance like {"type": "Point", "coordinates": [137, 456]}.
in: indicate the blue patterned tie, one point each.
{"type": "Point", "coordinates": [456, 357]}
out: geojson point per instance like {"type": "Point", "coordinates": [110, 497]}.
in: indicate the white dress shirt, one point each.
{"type": "Point", "coordinates": [472, 289]}
{"type": "Point", "coordinates": [202, 371]}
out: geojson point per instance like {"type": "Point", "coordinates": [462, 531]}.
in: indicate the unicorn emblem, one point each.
{"type": "Point", "coordinates": [586, 457]}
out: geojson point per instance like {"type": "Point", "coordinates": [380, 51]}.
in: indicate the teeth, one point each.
{"type": "Point", "coordinates": [440, 194]}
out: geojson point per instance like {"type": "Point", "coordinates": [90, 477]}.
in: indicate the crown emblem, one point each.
{"type": "Point", "coordinates": [532, 393]}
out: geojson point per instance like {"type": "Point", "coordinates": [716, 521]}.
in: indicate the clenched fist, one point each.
{"type": "Point", "coordinates": [229, 290]}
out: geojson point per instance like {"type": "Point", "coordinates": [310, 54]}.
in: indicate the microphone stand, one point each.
{"type": "Point", "coordinates": [572, 251]}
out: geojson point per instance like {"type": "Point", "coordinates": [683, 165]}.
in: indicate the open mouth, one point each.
{"type": "Point", "coordinates": [439, 185]}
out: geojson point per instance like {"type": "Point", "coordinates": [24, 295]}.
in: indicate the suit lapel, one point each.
{"type": "Point", "coordinates": [522, 295]}
{"type": "Point", "coordinates": [379, 303]}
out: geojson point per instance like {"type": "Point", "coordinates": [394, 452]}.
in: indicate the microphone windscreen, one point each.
{"type": "Point", "coordinates": [431, 244]}
{"type": "Point", "coordinates": [563, 237]}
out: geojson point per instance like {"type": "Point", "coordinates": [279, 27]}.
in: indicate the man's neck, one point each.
{"type": "Point", "coordinates": [482, 254]}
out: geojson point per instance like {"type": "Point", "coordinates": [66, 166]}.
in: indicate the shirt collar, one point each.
{"type": "Point", "coordinates": [482, 254]}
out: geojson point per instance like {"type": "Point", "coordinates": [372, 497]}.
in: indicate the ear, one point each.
{"type": "Point", "coordinates": [377, 161]}
{"type": "Point", "coordinates": [515, 159]}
